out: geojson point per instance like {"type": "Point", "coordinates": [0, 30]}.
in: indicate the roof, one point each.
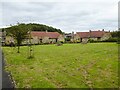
{"type": "Point", "coordinates": [83, 34]}
{"type": "Point", "coordinates": [45, 34]}
{"type": "Point", "coordinates": [68, 34]}
{"type": "Point", "coordinates": [92, 34]}
{"type": "Point", "coordinates": [97, 33]}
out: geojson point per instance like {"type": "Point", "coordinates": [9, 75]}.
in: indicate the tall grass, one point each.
{"type": "Point", "coordinates": [67, 66]}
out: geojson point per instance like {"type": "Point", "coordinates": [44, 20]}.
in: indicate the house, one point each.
{"type": "Point", "coordinates": [38, 37]}
{"type": "Point", "coordinates": [46, 37]}
{"type": "Point", "coordinates": [93, 35]}
{"type": "Point", "coordinates": [77, 38]}
{"type": "Point", "coordinates": [69, 36]}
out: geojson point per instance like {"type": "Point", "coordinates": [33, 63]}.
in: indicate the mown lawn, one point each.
{"type": "Point", "coordinates": [68, 66]}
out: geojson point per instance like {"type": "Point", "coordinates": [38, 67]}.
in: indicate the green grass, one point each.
{"type": "Point", "coordinates": [68, 66]}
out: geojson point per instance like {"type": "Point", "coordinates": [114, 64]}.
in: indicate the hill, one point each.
{"type": "Point", "coordinates": [39, 27]}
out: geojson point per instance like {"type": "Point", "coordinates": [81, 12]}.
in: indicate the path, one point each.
{"type": "Point", "coordinates": [6, 80]}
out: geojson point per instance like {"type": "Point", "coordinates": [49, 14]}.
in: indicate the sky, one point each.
{"type": "Point", "coordinates": [67, 15]}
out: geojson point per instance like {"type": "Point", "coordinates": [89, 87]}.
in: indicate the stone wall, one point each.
{"type": "Point", "coordinates": [35, 40]}
{"type": "Point", "coordinates": [52, 40]}
{"type": "Point", "coordinates": [85, 40]}
{"type": "Point", "coordinates": [106, 36]}
{"type": "Point", "coordinates": [61, 38]}
{"type": "Point", "coordinates": [77, 38]}
{"type": "Point", "coordinates": [95, 39]}
{"type": "Point", "coordinates": [46, 40]}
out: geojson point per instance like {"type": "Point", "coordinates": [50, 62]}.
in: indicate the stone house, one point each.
{"type": "Point", "coordinates": [99, 35]}
{"type": "Point", "coordinates": [93, 35]}
{"type": "Point", "coordinates": [82, 36]}
{"type": "Point", "coordinates": [38, 37]}
{"type": "Point", "coordinates": [46, 37]}
{"type": "Point", "coordinates": [69, 37]}
{"type": "Point", "coordinates": [76, 38]}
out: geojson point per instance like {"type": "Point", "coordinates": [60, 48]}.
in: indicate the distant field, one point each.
{"type": "Point", "coordinates": [68, 66]}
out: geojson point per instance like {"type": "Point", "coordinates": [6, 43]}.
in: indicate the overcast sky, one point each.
{"type": "Point", "coordinates": [67, 15]}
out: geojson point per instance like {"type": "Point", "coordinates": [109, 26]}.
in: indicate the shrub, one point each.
{"type": "Point", "coordinates": [59, 43]}
{"type": "Point", "coordinates": [92, 41]}
{"type": "Point", "coordinates": [111, 40]}
{"type": "Point", "coordinates": [108, 40]}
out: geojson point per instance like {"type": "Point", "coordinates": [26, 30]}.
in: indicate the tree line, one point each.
{"type": "Point", "coordinates": [115, 36]}
{"type": "Point", "coordinates": [41, 27]}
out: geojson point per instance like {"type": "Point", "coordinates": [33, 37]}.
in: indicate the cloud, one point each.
{"type": "Point", "coordinates": [76, 15]}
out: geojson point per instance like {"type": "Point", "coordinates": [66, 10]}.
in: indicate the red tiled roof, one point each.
{"type": "Point", "coordinates": [83, 34]}
{"type": "Point", "coordinates": [45, 34]}
{"type": "Point", "coordinates": [97, 33]}
{"type": "Point", "coordinates": [92, 34]}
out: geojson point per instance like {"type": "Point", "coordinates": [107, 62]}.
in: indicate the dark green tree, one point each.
{"type": "Point", "coordinates": [115, 33]}
{"type": "Point", "coordinates": [19, 32]}
{"type": "Point", "coordinates": [41, 27]}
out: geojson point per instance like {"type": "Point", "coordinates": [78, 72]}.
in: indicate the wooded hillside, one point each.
{"type": "Point", "coordinates": [39, 27]}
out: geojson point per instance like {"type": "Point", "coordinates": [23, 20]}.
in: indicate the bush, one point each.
{"type": "Point", "coordinates": [108, 40]}
{"type": "Point", "coordinates": [67, 39]}
{"type": "Point", "coordinates": [92, 41]}
{"type": "Point", "coordinates": [59, 43]}
{"type": "Point", "coordinates": [111, 40]}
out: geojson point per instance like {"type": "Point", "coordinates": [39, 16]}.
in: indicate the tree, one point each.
{"type": "Point", "coordinates": [19, 32]}
{"type": "Point", "coordinates": [115, 33]}
{"type": "Point", "coordinates": [41, 27]}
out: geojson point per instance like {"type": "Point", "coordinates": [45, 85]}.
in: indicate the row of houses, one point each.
{"type": "Point", "coordinates": [94, 35]}
{"type": "Point", "coordinates": [46, 37]}
{"type": "Point", "coordinates": [98, 35]}
{"type": "Point", "coordinates": [38, 37]}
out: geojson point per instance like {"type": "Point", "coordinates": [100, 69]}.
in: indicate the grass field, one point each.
{"type": "Point", "coordinates": [68, 66]}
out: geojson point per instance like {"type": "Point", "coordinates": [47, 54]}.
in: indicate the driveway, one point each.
{"type": "Point", "coordinates": [6, 78]}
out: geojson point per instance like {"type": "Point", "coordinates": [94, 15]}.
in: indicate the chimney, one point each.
{"type": "Point", "coordinates": [90, 31]}
{"type": "Point", "coordinates": [72, 34]}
